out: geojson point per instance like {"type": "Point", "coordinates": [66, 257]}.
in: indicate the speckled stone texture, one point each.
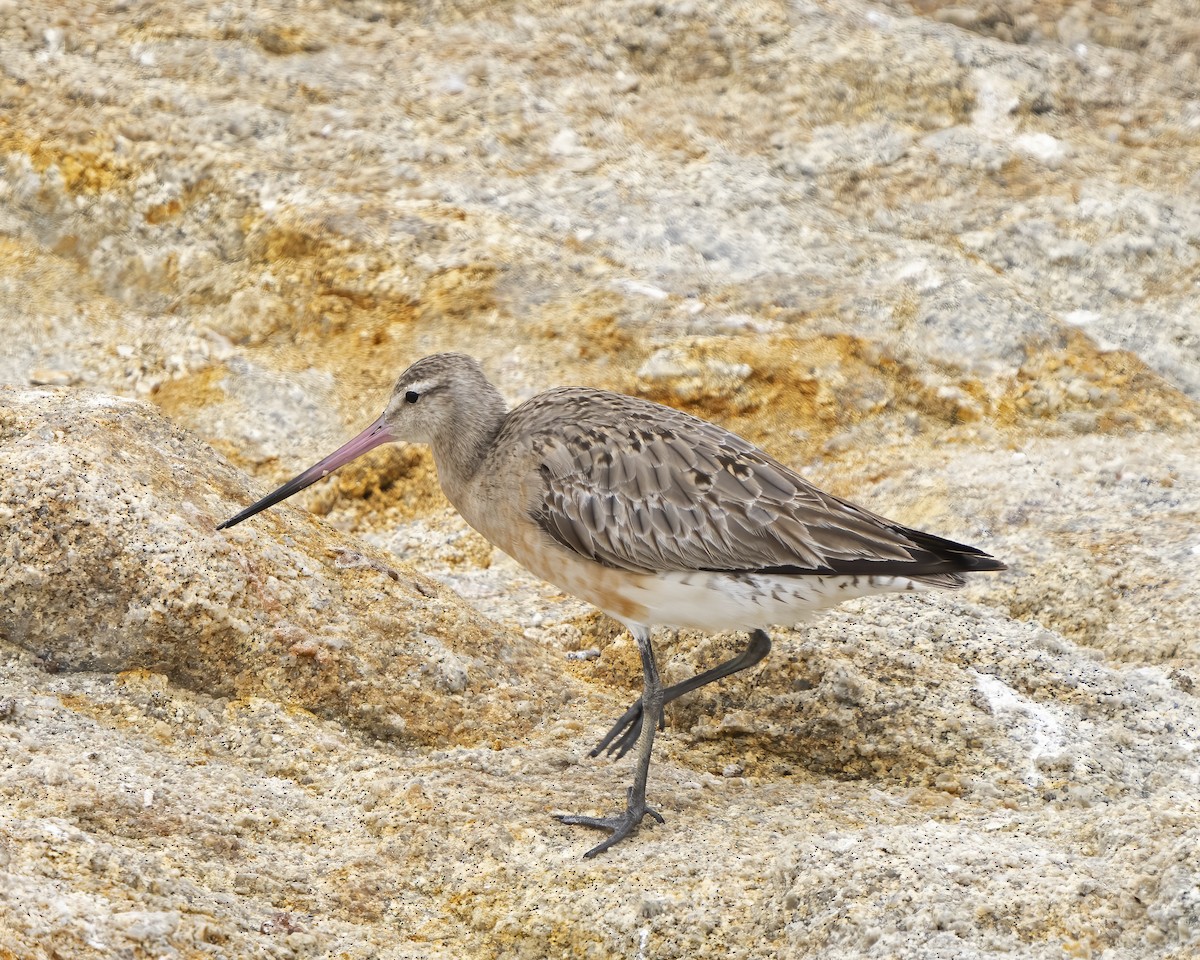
{"type": "Point", "coordinates": [942, 257]}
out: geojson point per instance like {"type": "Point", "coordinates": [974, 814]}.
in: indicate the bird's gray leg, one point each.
{"type": "Point", "coordinates": [624, 824]}
{"type": "Point", "coordinates": [621, 737]}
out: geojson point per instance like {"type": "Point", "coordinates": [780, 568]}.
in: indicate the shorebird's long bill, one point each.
{"type": "Point", "coordinates": [375, 435]}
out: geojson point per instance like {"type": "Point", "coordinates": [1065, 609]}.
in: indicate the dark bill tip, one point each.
{"type": "Point", "coordinates": [375, 435]}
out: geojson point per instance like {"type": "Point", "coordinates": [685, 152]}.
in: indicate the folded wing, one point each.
{"type": "Point", "coordinates": [641, 487]}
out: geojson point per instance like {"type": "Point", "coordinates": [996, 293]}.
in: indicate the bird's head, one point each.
{"type": "Point", "coordinates": [442, 400]}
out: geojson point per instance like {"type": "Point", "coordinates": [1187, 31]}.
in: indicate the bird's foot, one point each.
{"type": "Point", "coordinates": [624, 733]}
{"type": "Point", "coordinates": [619, 826]}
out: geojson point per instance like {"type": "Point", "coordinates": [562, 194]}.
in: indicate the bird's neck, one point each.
{"type": "Point", "coordinates": [460, 453]}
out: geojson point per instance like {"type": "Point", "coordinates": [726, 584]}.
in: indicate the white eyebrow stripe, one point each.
{"type": "Point", "coordinates": [421, 386]}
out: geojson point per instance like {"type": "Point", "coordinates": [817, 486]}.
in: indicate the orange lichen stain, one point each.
{"type": "Point", "coordinates": [312, 649]}
{"type": "Point", "coordinates": [599, 333]}
{"type": "Point", "coordinates": [362, 891]}
{"type": "Point", "coordinates": [329, 301]}
{"type": "Point", "coordinates": [44, 278]}
{"type": "Point", "coordinates": [617, 667]}
{"type": "Point", "coordinates": [1020, 178]}
{"type": "Point", "coordinates": [1083, 949]}
{"type": "Point", "coordinates": [866, 90]}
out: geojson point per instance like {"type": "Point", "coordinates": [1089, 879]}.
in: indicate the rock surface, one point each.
{"type": "Point", "coordinates": [942, 257]}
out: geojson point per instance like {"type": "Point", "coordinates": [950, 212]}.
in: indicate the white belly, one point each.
{"type": "Point", "coordinates": [694, 600]}
{"type": "Point", "coordinates": [721, 601]}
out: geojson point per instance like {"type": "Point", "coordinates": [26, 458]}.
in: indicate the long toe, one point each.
{"type": "Point", "coordinates": [622, 745]}
{"type": "Point", "coordinates": [624, 733]}
{"type": "Point", "coordinates": [630, 719]}
{"type": "Point", "coordinates": [625, 742]}
{"type": "Point", "coordinates": [619, 827]}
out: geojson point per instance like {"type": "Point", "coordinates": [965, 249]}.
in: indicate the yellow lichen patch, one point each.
{"type": "Point", "coordinates": [173, 208]}
{"type": "Point", "coordinates": [176, 398]}
{"type": "Point", "coordinates": [142, 679]}
{"type": "Point", "coordinates": [293, 239]}
{"type": "Point", "coordinates": [396, 466]}
{"type": "Point", "coordinates": [1073, 375]}
{"type": "Point", "coordinates": [791, 395]}
{"type": "Point", "coordinates": [162, 212]}
{"type": "Point", "coordinates": [49, 276]}
{"type": "Point", "coordinates": [459, 292]}
{"type": "Point", "coordinates": [87, 168]}
{"type": "Point", "coordinates": [485, 907]}
{"type": "Point", "coordinates": [1021, 178]}
{"type": "Point", "coordinates": [125, 716]}
{"type": "Point", "coordinates": [79, 703]}
{"type": "Point", "coordinates": [394, 484]}
{"type": "Point", "coordinates": [850, 90]}
{"type": "Point", "coordinates": [1104, 590]}
{"type": "Point", "coordinates": [618, 666]}
{"type": "Point", "coordinates": [361, 891]}
{"type": "Point", "coordinates": [589, 327]}
{"type": "Point", "coordinates": [349, 302]}
{"type": "Point", "coordinates": [327, 282]}
{"type": "Point", "coordinates": [284, 39]}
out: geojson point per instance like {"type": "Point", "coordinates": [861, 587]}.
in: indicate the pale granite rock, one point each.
{"type": "Point", "coordinates": [111, 561]}
{"type": "Point", "coordinates": [940, 256]}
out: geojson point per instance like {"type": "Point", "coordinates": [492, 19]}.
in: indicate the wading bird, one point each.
{"type": "Point", "coordinates": [654, 516]}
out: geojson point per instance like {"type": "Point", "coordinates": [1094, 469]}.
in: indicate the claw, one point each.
{"type": "Point", "coordinates": [619, 826]}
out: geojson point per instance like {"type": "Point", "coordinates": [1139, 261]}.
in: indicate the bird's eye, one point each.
{"type": "Point", "coordinates": [412, 396]}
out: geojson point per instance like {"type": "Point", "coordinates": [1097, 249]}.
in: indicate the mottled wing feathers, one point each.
{"type": "Point", "coordinates": [637, 486]}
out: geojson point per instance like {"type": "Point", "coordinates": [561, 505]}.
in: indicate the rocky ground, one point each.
{"type": "Point", "coordinates": [943, 258]}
